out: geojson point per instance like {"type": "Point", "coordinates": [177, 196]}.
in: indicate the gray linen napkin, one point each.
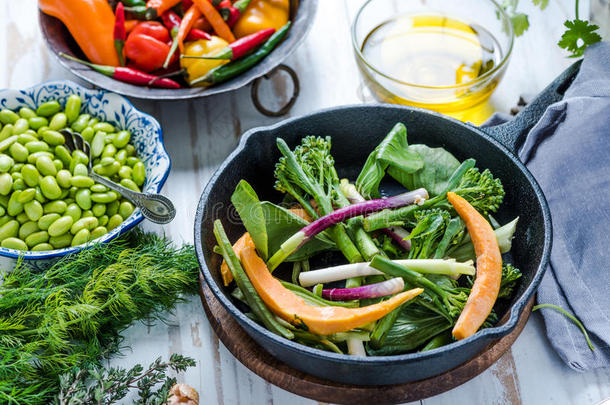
{"type": "Point", "coordinates": [568, 152]}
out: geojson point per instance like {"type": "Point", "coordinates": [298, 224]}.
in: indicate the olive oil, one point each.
{"type": "Point", "coordinates": [433, 61]}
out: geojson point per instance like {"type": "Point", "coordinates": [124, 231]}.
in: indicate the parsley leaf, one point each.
{"type": "Point", "coordinates": [520, 23]}
{"type": "Point", "coordinates": [578, 36]}
{"type": "Point", "coordinates": [541, 3]}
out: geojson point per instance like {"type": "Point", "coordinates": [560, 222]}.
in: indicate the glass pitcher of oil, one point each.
{"type": "Point", "coordinates": [430, 54]}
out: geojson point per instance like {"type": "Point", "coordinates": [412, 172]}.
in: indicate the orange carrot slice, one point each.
{"type": "Point", "coordinates": [489, 269]}
{"type": "Point", "coordinates": [191, 15]}
{"type": "Point", "coordinates": [242, 243]}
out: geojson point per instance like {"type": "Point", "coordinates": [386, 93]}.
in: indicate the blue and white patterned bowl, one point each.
{"type": "Point", "coordinates": [146, 136]}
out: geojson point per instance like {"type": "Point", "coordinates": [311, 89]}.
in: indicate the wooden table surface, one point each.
{"type": "Point", "coordinates": [200, 134]}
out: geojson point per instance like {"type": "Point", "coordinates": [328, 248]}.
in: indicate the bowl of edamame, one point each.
{"type": "Point", "coordinates": [49, 205]}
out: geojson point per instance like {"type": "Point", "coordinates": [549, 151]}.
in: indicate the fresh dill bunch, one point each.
{"type": "Point", "coordinates": [72, 313]}
{"type": "Point", "coordinates": [100, 386]}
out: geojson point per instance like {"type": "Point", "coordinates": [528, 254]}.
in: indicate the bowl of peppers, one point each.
{"type": "Point", "coordinates": [173, 49]}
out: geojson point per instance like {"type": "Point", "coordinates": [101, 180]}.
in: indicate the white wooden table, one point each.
{"type": "Point", "coordinates": [200, 134]}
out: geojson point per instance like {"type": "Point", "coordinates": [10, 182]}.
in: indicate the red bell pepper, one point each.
{"type": "Point", "coordinates": [153, 29]}
{"type": "Point", "coordinates": [119, 34]}
{"type": "Point", "coordinates": [147, 46]}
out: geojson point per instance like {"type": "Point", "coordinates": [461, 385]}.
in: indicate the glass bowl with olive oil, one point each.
{"type": "Point", "coordinates": [444, 55]}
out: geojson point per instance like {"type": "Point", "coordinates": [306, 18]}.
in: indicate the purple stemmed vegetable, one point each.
{"type": "Point", "coordinates": [382, 289]}
{"type": "Point", "coordinates": [304, 235]}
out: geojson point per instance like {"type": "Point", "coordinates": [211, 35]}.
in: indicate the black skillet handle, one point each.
{"type": "Point", "coordinates": [512, 133]}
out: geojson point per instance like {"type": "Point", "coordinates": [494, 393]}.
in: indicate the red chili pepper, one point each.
{"type": "Point", "coordinates": [228, 12]}
{"type": "Point", "coordinates": [120, 34]}
{"type": "Point", "coordinates": [171, 20]}
{"type": "Point", "coordinates": [195, 34]}
{"type": "Point", "coordinates": [186, 4]}
{"type": "Point", "coordinates": [147, 46]}
{"type": "Point", "coordinates": [241, 47]}
{"type": "Point", "coordinates": [128, 75]}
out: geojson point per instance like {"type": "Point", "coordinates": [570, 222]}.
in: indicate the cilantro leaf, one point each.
{"type": "Point", "coordinates": [520, 23]}
{"type": "Point", "coordinates": [541, 3]}
{"type": "Point", "coordinates": [578, 36]}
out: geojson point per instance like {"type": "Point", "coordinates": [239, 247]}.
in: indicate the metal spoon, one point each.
{"type": "Point", "coordinates": [154, 207]}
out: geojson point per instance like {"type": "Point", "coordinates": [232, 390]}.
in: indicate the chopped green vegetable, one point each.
{"type": "Point", "coordinates": [578, 36]}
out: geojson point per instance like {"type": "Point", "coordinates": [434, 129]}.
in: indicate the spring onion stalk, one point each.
{"type": "Point", "coordinates": [504, 235]}
{"type": "Point", "coordinates": [355, 347]}
{"type": "Point", "coordinates": [376, 290]}
{"type": "Point", "coordinates": [254, 301]}
{"type": "Point", "coordinates": [312, 299]}
{"type": "Point", "coordinates": [297, 240]}
{"type": "Point", "coordinates": [397, 233]}
{"type": "Point", "coordinates": [448, 267]}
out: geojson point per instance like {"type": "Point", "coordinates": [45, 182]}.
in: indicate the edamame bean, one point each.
{"type": "Point", "coordinates": [87, 213]}
{"type": "Point", "coordinates": [82, 181]}
{"type": "Point", "coordinates": [14, 243]}
{"type": "Point", "coordinates": [26, 195]}
{"type": "Point", "coordinates": [121, 139]}
{"type": "Point", "coordinates": [109, 138]}
{"type": "Point", "coordinates": [7, 218]}
{"type": "Point", "coordinates": [6, 183]}
{"type": "Point", "coordinates": [6, 162]}
{"type": "Point", "coordinates": [64, 178]}
{"type": "Point", "coordinates": [53, 138]}
{"type": "Point", "coordinates": [121, 156]}
{"type": "Point", "coordinates": [98, 232]}
{"type": "Point", "coordinates": [61, 241]}
{"type": "Point", "coordinates": [27, 229]}
{"type": "Point", "coordinates": [98, 209]}
{"type": "Point", "coordinates": [97, 145]}
{"type": "Point", "coordinates": [2, 211]}
{"type": "Point", "coordinates": [125, 172]}
{"type": "Point", "coordinates": [58, 121]}
{"type": "Point", "coordinates": [103, 197]}
{"type": "Point", "coordinates": [37, 146]}
{"type": "Point", "coordinates": [131, 160]}
{"type": "Point", "coordinates": [80, 157]}
{"type": "Point", "coordinates": [49, 108]}
{"type": "Point", "coordinates": [45, 167]}
{"type": "Point", "coordinates": [41, 247]}
{"type": "Point", "coordinates": [83, 198]}
{"type": "Point", "coordinates": [104, 127]}
{"type": "Point", "coordinates": [139, 173]}
{"type": "Point", "coordinates": [58, 164]}
{"type": "Point", "coordinates": [58, 207]}
{"type": "Point", "coordinates": [98, 188]}
{"type": "Point", "coordinates": [80, 170]}
{"type": "Point", "coordinates": [126, 209]}
{"type": "Point", "coordinates": [72, 107]}
{"type": "Point", "coordinates": [72, 193]}
{"type": "Point", "coordinates": [103, 220]}
{"type": "Point", "coordinates": [6, 132]}
{"type": "Point", "coordinates": [4, 200]}
{"type": "Point", "coordinates": [17, 168]}
{"type": "Point", "coordinates": [22, 218]}
{"type": "Point", "coordinates": [63, 154]}
{"type": "Point", "coordinates": [46, 220]}
{"type": "Point", "coordinates": [81, 237]}
{"type": "Point", "coordinates": [33, 210]}
{"type": "Point", "coordinates": [33, 157]}
{"type": "Point", "coordinates": [81, 123]}
{"type": "Point", "coordinates": [128, 183]}
{"type": "Point", "coordinates": [108, 171]}
{"type": "Point", "coordinates": [113, 208]}
{"type": "Point", "coordinates": [20, 126]}
{"type": "Point", "coordinates": [14, 206]}
{"type": "Point", "coordinates": [37, 122]}
{"type": "Point", "coordinates": [88, 223]}
{"type": "Point", "coordinates": [106, 161]}
{"type": "Point", "coordinates": [40, 130]}
{"type": "Point", "coordinates": [37, 238]}
{"type": "Point", "coordinates": [19, 152]}
{"type": "Point", "coordinates": [39, 196]}
{"type": "Point", "coordinates": [25, 138]}
{"type": "Point", "coordinates": [50, 188]}
{"type": "Point", "coordinates": [30, 175]}
{"type": "Point", "coordinates": [6, 143]}
{"type": "Point", "coordinates": [8, 230]}
{"type": "Point", "coordinates": [87, 134]}
{"type": "Point", "coordinates": [7, 116]}
{"type": "Point", "coordinates": [27, 113]}
{"type": "Point", "coordinates": [60, 226]}
{"type": "Point", "coordinates": [109, 151]}
{"type": "Point", "coordinates": [74, 211]}
{"type": "Point", "coordinates": [18, 184]}
{"type": "Point", "coordinates": [114, 221]}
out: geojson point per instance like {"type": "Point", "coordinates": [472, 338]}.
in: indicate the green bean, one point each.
{"type": "Point", "coordinates": [98, 232]}
{"type": "Point", "coordinates": [33, 210]}
{"type": "Point", "coordinates": [58, 207]}
{"type": "Point", "coordinates": [27, 113]}
{"type": "Point", "coordinates": [14, 243]}
{"type": "Point", "coordinates": [88, 223]}
{"type": "Point", "coordinates": [50, 188]}
{"type": "Point", "coordinates": [114, 221]}
{"type": "Point", "coordinates": [9, 229]}
{"type": "Point", "coordinates": [37, 238]}
{"type": "Point", "coordinates": [60, 226]}
{"type": "Point", "coordinates": [7, 116]}
{"type": "Point", "coordinates": [49, 108]}
{"type": "Point", "coordinates": [19, 152]}
{"type": "Point", "coordinates": [6, 132]}
{"type": "Point", "coordinates": [27, 229]}
{"type": "Point", "coordinates": [83, 198]}
{"type": "Point", "coordinates": [61, 241]}
{"type": "Point", "coordinates": [6, 162]}
{"type": "Point", "coordinates": [6, 183]}
{"type": "Point", "coordinates": [53, 138]}
{"type": "Point", "coordinates": [46, 220]}
{"type": "Point", "coordinates": [42, 247]}
{"type": "Point", "coordinates": [81, 123]}
{"type": "Point", "coordinates": [45, 167]}
{"type": "Point", "coordinates": [37, 122]}
{"type": "Point", "coordinates": [26, 195]}
{"type": "Point", "coordinates": [74, 211]}
{"type": "Point", "coordinates": [72, 108]}
{"type": "Point", "coordinates": [81, 237]}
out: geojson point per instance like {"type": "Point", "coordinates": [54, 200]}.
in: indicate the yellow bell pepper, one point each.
{"type": "Point", "coordinates": [196, 68]}
{"type": "Point", "coordinates": [261, 14]}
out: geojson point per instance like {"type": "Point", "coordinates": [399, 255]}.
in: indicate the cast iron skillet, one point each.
{"type": "Point", "coordinates": [59, 40]}
{"type": "Point", "coordinates": [355, 131]}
